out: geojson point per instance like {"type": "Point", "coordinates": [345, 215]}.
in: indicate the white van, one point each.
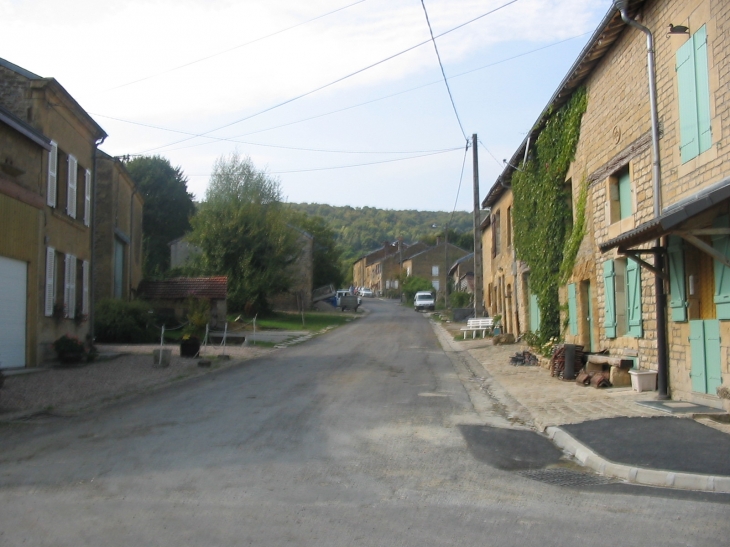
{"type": "Point", "coordinates": [424, 301]}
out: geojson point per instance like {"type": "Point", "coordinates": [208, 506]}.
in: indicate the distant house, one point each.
{"type": "Point", "coordinates": [462, 274]}
{"type": "Point", "coordinates": [172, 295]}
{"type": "Point", "coordinates": [432, 264]}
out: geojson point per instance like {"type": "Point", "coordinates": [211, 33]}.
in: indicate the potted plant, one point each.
{"type": "Point", "coordinates": [189, 345]}
{"type": "Point", "coordinates": [69, 349]}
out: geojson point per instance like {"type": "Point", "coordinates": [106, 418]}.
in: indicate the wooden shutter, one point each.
{"type": "Point", "coordinates": [69, 296]}
{"type": "Point", "coordinates": [626, 206]}
{"type": "Point", "coordinates": [572, 309]}
{"type": "Point", "coordinates": [689, 145]}
{"type": "Point", "coordinates": [633, 299]}
{"type": "Point", "coordinates": [702, 89]}
{"type": "Point", "coordinates": [677, 286]}
{"type": "Point", "coordinates": [71, 194]}
{"type": "Point", "coordinates": [494, 237]}
{"type": "Point", "coordinates": [721, 243]}
{"type": "Point", "coordinates": [609, 283]}
{"type": "Point", "coordinates": [50, 280]}
{"type": "Point", "coordinates": [52, 175]}
{"type": "Point", "coordinates": [87, 198]}
{"type": "Point", "coordinates": [85, 294]}
{"type": "Point", "coordinates": [534, 313]}
{"type": "Point", "coordinates": [697, 356]}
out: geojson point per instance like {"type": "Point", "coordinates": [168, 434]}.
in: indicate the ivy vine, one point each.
{"type": "Point", "coordinates": [542, 216]}
{"type": "Point", "coordinates": [572, 243]}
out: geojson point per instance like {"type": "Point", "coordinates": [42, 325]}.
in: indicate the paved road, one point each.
{"type": "Point", "coordinates": [369, 435]}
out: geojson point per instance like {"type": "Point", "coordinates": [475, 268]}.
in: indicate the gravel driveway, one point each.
{"type": "Point", "coordinates": [120, 371]}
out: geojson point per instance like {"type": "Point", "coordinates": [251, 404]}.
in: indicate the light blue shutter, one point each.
{"type": "Point", "coordinates": [721, 243]}
{"type": "Point", "coordinates": [633, 299]}
{"type": "Point", "coordinates": [702, 83]}
{"type": "Point", "coordinates": [688, 128]}
{"type": "Point", "coordinates": [609, 279]}
{"type": "Point", "coordinates": [713, 356]}
{"type": "Point", "coordinates": [677, 287]}
{"type": "Point", "coordinates": [572, 309]}
{"type": "Point", "coordinates": [534, 313]}
{"type": "Point", "coordinates": [697, 354]}
{"type": "Point", "coordinates": [624, 194]}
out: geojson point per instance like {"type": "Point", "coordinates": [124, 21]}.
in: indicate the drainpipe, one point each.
{"type": "Point", "coordinates": [660, 296]}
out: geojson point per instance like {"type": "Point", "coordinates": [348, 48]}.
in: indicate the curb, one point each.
{"type": "Point", "coordinates": [637, 475]}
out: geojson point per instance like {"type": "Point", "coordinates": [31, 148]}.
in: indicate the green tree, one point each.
{"type": "Point", "coordinates": [413, 284]}
{"type": "Point", "coordinates": [167, 208]}
{"type": "Point", "coordinates": [327, 254]}
{"type": "Point", "coordinates": [242, 230]}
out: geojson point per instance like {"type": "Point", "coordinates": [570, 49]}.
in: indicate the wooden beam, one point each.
{"type": "Point", "coordinates": [645, 264]}
{"type": "Point", "coordinates": [705, 248]}
{"type": "Point", "coordinates": [704, 232]}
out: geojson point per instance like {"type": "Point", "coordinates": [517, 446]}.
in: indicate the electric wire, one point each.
{"type": "Point", "coordinates": [490, 153]}
{"type": "Point", "coordinates": [443, 73]}
{"type": "Point", "coordinates": [232, 139]}
{"type": "Point", "coordinates": [333, 82]}
{"type": "Point", "coordinates": [231, 49]}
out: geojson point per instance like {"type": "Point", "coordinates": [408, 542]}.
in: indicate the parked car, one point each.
{"type": "Point", "coordinates": [345, 292]}
{"type": "Point", "coordinates": [424, 301]}
{"type": "Point", "coordinates": [367, 293]}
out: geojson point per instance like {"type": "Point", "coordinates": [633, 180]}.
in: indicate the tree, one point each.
{"type": "Point", "coordinates": [167, 208]}
{"type": "Point", "coordinates": [242, 230]}
{"type": "Point", "coordinates": [327, 254]}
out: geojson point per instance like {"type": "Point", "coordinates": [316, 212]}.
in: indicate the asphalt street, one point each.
{"type": "Point", "coordinates": [368, 435]}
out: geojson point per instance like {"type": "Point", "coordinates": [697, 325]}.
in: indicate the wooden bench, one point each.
{"type": "Point", "coordinates": [481, 324]}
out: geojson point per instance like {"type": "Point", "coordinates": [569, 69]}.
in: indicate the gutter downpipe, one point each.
{"type": "Point", "coordinates": [660, 296]}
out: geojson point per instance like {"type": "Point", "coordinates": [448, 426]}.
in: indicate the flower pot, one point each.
{"type": "Point", "coordinates": [190, 347]}
{"type": "Point", "coordinates": [643, 380]}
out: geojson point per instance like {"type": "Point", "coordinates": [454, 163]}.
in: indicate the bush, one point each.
{"type": "Point", "coordinates": [122, 322]}
{"type": "Point", "coordinates": [414, 284]}
{"type": "Point", "coordinates": [460, 299]}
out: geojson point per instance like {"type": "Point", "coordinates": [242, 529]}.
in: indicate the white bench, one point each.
{"type": "Point", "coordinates": [474, 325]}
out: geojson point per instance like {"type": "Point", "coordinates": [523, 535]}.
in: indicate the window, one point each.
{"type": "Point", "coordinates": [496, 234]}
{"type": "Point", "coordinates": [52, 177]}
{"type": "Point", "coordinates": [620, 195]}
{"type": "Point", "coordinates": [693, 84]}
{"type": "Point", "coordinates": [72, 184]}
{"type": "Point", "coordinates": [69, 293]}
{"type": "Point", "coordinates": [434, 270]}
{"type": "Point", "coordinates": [435, 284]}
{"type": "Point", "coordinates": [509, 226]}
{"type": "Point", "coordinates": [622, 283]}
{"type": "Point", "coordinates": [87, 198]}
{"type": "Point", "coordinates": [50, 281]}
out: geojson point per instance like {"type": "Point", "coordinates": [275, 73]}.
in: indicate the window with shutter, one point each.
{"type": "Point", "coordinates": [85, 294]}
{"type": "Point", "coordinates": [572, 309]}
{"type": "Point", "coordinates": [609, 283]}
{"type": "Point", "coordinates": [677, 286]}
{"type": "Point", "coordinates": [50, 280]}
{"type": "Point", "coordinates": [87, 198]}
{"type": "Point", "coordinates": [69, 296]}
{"type": "Point", "coordinates": [694, 96]}
{"type": "Point", "coordinates": [633, 300]}
{"type": "Point", "coordinates": [52, 175]}
{"type": "Point", "coordinates": [71, 194]}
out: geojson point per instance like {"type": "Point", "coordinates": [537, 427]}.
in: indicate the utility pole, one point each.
{"type": "Point", "coordinates": [478, 283]}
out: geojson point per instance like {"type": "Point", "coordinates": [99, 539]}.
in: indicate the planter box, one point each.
{"type": "Point", "coordinates": [643, 380]}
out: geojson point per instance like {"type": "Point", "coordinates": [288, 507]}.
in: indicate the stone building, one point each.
{"type": "Point", "coordinates": [654, 190]}
{"type": "Point", "coordinates": [117, 231]}
{"type": "Point", "coordinates": [433, 264]}
{"type": "Point", "coordinates": [49, 147]}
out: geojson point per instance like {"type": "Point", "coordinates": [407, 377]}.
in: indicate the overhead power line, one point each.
{"type": "Point", "coordinates": [335, 81]}
{"type": "Point", "coordinates": [232, 48]}
{"type": "Point", "coordinates": [443, 73]}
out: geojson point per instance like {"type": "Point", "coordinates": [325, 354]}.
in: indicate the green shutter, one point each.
{"type": "Point", "coordinates": [721, 243]}
{"type": "Point", "coordinates": [688, 127]}
{"type": "Point", "coordinates": [697, 354]}
{"type": "Point", "coordinates": [609, 279]}
{"type": "Point", "coordinates": [572, 309]}
{"type": "Point", "coordinates": [624, 194]}
{"type": "Point", "coordinates": [534, 313]}
{"type": "Point", "coordinates": [677, 287]}
{"type": "Point", "coordinates": [702, 85]}
{"type": "Point", "coordinates": [713, 356]}
{"type": "Point", "coordinates": [633, 299]}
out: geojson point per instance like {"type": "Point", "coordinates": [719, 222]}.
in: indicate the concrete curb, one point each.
{"type": "Point", "coordinates": [637, 475]}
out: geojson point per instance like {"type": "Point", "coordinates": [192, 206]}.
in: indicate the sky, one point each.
{"type": "Point", "coordinates": [334, 98]}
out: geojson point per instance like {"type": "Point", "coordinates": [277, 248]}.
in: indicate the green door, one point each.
{"type": "Point", "coordinates": [704, 342]}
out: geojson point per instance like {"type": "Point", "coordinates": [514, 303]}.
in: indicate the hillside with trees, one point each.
{"type": "Point", "coordinates": [359, 230]}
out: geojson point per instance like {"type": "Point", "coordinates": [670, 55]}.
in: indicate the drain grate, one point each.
{"type": "Point", "coordinates": [566, 477]}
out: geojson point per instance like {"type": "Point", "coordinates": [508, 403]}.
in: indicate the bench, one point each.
{"type": "Point", "coordinates": [481, 324]}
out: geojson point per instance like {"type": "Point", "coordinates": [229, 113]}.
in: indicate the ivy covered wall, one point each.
{"type": "Point", "coordinates": [542, 216]}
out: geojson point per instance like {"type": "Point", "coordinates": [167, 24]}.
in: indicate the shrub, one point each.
{"type": "Point", "coordinates": [460, 299]}
{"type": "Point", "coordinates": [414, 284]}
{"type": "Point", "coordinates": [119, 321]}
{"type": "Point", "coordinates": [69, 344]}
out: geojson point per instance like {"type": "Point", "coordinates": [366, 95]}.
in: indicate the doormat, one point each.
{"type": "Point", "coordinates": [680, 407]}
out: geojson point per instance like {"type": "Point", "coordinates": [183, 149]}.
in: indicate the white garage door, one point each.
{"type": "Point", "coordinates": [13, 282]}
